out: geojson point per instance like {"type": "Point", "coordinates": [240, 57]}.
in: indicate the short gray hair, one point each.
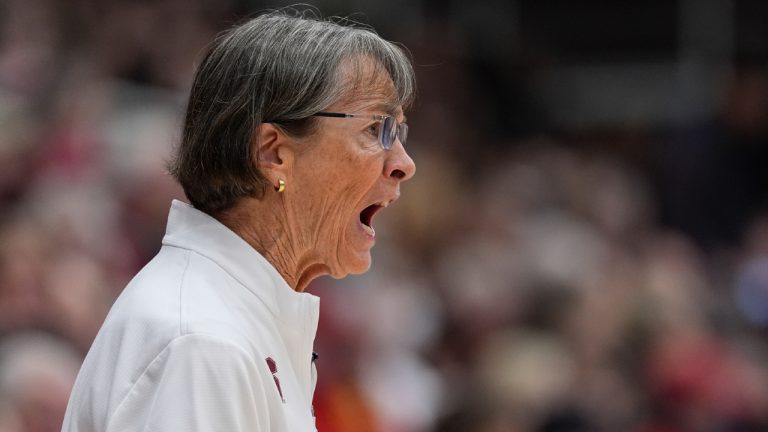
{"type": "Point", "coordinates": [279, 67]}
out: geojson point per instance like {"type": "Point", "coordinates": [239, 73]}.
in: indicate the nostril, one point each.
{"type": "Point", "coordinates": [398, 174]}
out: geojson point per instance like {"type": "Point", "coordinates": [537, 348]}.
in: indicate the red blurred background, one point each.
{"type": "Point", "coordinates": [584, 248]}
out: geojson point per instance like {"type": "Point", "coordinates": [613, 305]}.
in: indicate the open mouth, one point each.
{"type": "Point", "coordinates": [366, 216]}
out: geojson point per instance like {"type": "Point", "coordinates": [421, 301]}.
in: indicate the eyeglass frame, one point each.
{"type": "Point", "coordinates": [401, 129]}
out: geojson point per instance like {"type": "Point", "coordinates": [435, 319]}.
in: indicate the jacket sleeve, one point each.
{"type": "Point", "coordinates": [197, 384]}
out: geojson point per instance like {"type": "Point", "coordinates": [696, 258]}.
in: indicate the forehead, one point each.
{"type": "Point", "coordinates": [367, 87]}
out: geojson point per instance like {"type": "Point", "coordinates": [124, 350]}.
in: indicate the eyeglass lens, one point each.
{"type": "Point", "coordinates": [388, 132]}
{"type": "Point", "coordinates": [391, 130]}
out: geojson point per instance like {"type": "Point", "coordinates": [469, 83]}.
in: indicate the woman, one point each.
{"type": "Point", "coordinates": [292, 142]}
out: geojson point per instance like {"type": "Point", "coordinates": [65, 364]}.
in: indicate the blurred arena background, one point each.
{"type": "Point", "coordinates": [584, 247]}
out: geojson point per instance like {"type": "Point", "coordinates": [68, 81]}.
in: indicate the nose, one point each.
{"type": "Point", "coordinates": [399, 165]}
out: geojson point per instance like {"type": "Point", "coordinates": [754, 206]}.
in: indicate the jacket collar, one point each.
{"type": "Point", "coordinates": [191, 229]}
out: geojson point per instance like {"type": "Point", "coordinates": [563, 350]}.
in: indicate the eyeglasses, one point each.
{"type": "Point", "coordinates": [389, 130]}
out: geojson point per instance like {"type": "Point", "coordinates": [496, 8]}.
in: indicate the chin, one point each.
{"type": "Point", "coordinates": [356, 266]}
{"type": "Point", "coordinates": [362, 269]}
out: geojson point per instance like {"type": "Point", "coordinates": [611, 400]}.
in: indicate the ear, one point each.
{"type": "Point", "coordinates": [275, 152]}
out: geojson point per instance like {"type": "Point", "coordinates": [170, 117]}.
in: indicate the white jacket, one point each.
{"type": "Point", "coordinates": [192, 343]}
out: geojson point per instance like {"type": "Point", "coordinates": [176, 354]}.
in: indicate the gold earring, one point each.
{"type": "Point", "coordinates": [280, 186]}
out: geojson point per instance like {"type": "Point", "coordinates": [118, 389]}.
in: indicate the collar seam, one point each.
{"type": "Point", "coordinates": [271, 308]}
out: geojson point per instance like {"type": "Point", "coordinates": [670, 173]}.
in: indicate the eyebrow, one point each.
{"type": "Point", "coordinates": [375, 104]}
{"type": "Point", "coordinates": [389, 108]}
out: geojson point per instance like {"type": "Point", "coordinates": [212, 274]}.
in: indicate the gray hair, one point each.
{"type": "Point", "coordinates": [279, 67]}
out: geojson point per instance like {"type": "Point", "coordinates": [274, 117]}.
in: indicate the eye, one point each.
{"type": "Point", "coordinates": [373, 129]}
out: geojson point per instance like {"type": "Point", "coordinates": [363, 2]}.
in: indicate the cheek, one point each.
{"type": "Point", "coordinates": [336, 180]}
{"type": "Point", "coordinates": [344, 196]}
{"type": "Point", "coordinates": [349, 179]}
{"type": "Point", "coordinates": [330, 200]}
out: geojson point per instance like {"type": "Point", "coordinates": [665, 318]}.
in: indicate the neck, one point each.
{"type": "Point", "coordinates": [268, 228]}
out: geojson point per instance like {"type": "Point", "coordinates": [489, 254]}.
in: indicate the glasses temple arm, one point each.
{"type": "Point", "coordinates": [332, 114]}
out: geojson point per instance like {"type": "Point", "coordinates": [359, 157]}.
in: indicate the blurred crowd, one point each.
{"type": "Point", "coordinates": [531, 278]}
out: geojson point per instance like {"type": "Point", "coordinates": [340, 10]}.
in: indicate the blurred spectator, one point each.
{"type": "Point", "coordinates": [535, 276]}
{"type": "Point", "coordinates": [712, 173]}
{"type": "Point", "coordinates": [37, 372]}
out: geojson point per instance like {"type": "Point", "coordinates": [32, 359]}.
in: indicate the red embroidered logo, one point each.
{"type": "Point", "coordinates": [273, 368]}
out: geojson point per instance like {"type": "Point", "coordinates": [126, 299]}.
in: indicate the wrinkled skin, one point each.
{"type": "Point", "coordinates": [314, 227]}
